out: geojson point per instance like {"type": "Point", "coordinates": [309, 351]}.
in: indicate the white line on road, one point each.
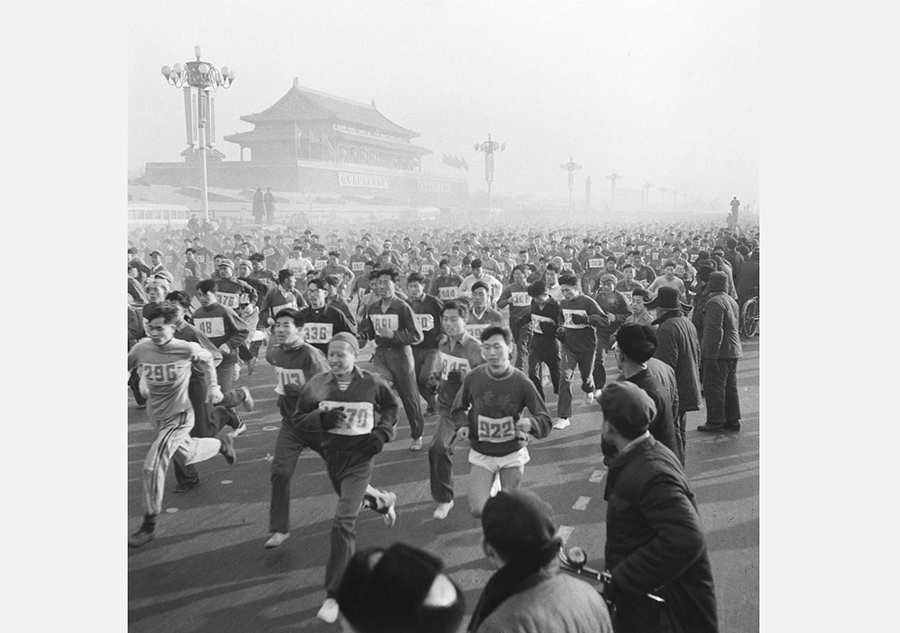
{"type": "Point", "coordinates": [597, 476]}
{"type": "Point", "coordinates": [582, 503]}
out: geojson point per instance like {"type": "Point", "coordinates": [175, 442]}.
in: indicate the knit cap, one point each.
{"type": "Point", "coordinates": [347, 338]}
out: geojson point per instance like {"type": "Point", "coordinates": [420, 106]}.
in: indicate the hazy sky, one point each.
{"type": "Point", "coordinates": [659, 91]}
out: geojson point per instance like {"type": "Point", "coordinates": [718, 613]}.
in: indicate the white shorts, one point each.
{"type": "Point", "coordinates": [495, 464]}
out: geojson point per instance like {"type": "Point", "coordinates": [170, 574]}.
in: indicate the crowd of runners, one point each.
{"type": "Point", "coordinates": [486, 328]}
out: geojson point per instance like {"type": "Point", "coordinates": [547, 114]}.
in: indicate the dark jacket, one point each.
{"type": "Point", "coordinates": [748, 278]}
{"type": "Point", "coordinates": [721, 337]}
{"type": "Point", "coordinates": [655, 544]}
{"type": "Point", "coordinates": [662, 427]}
{"type": "Point", "coordinates": [679, 347]}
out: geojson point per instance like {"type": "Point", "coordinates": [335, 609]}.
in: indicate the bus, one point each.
{"type": "Point", "coordinates": [150, 214]}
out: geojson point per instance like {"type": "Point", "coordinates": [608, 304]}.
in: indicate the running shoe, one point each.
{"type": "Point", "coordinates": [227, 449]}
{"type": "Point", "coordinates": [189, 485]}
{"type": "Point", "coordinates": [329, 611]}
{"type": "Point", "coordinates": [443, 509]}
{"type": "Point", "coordinates": [390, 513]}
{"type": "Point", "coordinates": [240, 428]}
{"type": "Point", "coordinates": [248, 400]}
{"type": "Point", "coordinates": [277, 539]}
{"type": "Point", "coordinates": [416, 444]}
{"type": "Point", "coordinates": [140, 538]}
{"type": "Point", "coordinates": [561, 423]}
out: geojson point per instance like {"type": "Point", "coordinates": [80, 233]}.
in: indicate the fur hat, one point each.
{"type": "Point", "coordinates": [400, 589]}
{"type": "Point", "coordinates": [637, 342]}
{"type": "Point", "coordinates": [518, 524]}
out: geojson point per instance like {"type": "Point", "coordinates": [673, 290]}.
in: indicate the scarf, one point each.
{"type": "Point", "coordinates": [514, 577]}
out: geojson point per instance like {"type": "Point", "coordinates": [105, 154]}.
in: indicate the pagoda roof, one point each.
{"type": "Point", "coordinates": [377, 141]}
{"type": "Point", "coordinates": [305, 104]}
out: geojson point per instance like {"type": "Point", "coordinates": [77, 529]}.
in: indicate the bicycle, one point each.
{"type": "Point", "coordinates": [750, 317]}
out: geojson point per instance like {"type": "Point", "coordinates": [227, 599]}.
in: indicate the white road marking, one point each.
{"type": "Point", "coordinates": [597, 476]}
{"type": "Point", "coordinates": [582, 503]}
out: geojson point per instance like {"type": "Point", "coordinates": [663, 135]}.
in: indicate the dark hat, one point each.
{"type": "Point", "coordinates": [257, 257]}
{"type": "Point", "coordinates": [704, 271]}
{"type": "Point", "coordinates": [476, 263]}
{"type": "Point", "coordinates": [538, 288]}
{"type": "Point", "coordinates": [608, 277]}
{"type": "Point", "coordinates": [637, 342]}
{"type": "Point", "coordinates": [518, 524]}
{"type": "Point", "coordinates": [718, 281]}
{"type": "Point", "coordinates": [400, 589]}
{"type": "Point", "coordinates": [668, 299]}
{"type": "Point", "coordinates": [627, 407]}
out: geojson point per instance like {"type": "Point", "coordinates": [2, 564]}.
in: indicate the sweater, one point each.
{"type": "Point", "coordinates": [494, 405]}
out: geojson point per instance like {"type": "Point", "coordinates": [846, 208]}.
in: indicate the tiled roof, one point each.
{"type": "Point", "coordinates": [304, 104]}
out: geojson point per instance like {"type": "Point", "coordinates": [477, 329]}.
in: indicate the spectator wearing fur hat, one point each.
{"type": "Point", "coordinates": [399, 589]}
{"type": "Point", "coordinates": [654, 538]}
{"type": "Point", "coordinates": [678, 347]}
{"type": "Point", "coordinates": [720, 349]}
{"type": "Point", "coordinates": [636, 345]}
{"type": "Point", "coordinates": [528, 593]}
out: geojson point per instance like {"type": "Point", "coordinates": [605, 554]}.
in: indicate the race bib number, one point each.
{"type": "Point", "coordinates": [679, 269]}
{"type": "Point", "coordinates": [319, 333]}
{"type": "Point", "coordinates": [567, 318]}
{"type": "Point", "coordinates": [475, 329]}
{"type": "Point", "coordinates": [595, 263]}
{"type": "Point", "coordinates": [360, 417]}
{"type": "Point", "coordinates": [288, 377]}
{"type": "Point", "coordinates": [268, 252]}
{"type": "Point", "coordinates": [298, 270]}
{"type": "Point", "coordinates": [357, 266]}
{"type": "Point", "coordinates": [320, 263]}
{"type": "Point", "coordinates": [284, 306]}
{"type": "Point", "coordinates": [211, 326]}
{"type": "Point", "coordinates": [229, 299]}
{"type": "Point", "coordinates": [162, 374]}
{"type": "Point", "coordinates": [168, 259]}
{"type": "Point", "coordinates": [201, 259]}
{"type": "Point", "coordinates": [567, 266]}
{"type": "Point", "coordinates": [694, 257]}
{"type": "Point", "coordinates": [628, 296]}
{"type": "Point", "coordinates": [385, 321]}
{"type": "Point", "coordinates": [536, 320]}
{"type": "Point", "coordinates": [648, 252]}
{"type": "Point", "coordinates": [619, 254]}
{"type": "Point", "coordinates": [496, 430]}
{"type": "Point", "coordinates": [450, 363]}
{"type": "Point", "coordinates": [427, 269]}
{"type": "Point", "coordinates": [519, 299]}
{"type": "Point", "coordinates": [656, 256]}
{"type": "Point", "coordinates": [448, 293]}
{"type": "Point", "coordinates": [425, 321]}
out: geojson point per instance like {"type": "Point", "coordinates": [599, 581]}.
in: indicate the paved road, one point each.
{"type": "Point", "coordinates": [207, 569]}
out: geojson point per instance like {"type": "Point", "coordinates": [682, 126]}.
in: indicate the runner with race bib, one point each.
{"type": "Point", "coordinates": [492, 398]}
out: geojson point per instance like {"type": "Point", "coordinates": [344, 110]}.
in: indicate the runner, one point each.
{"type": "Point", "coordinates": [492, 398]}
{"type": "Point", "coordinates": [480, 315]}
{"type": "Point", "coordinates": [515, 295]}
{"type": "Point", "coordinates": [322, 321]}
{"type": "Point", "coordinates": [392, 324]}
{"type": "Point", "coordinates": [355, 414]}
{"type": "Point", "coordinates": [166, 369]}
{"type": "Point", "coordinates": [426, 357]}
{"type": "Point", "coordinates": [544, 348]}
{"type": "Point", "coordinates": [223, 327]}
{"type": "Point", "coordinates": [578, 316]}
{"type": "Point", "coordinates": [460, 352]}
{"type": "Point", "coordinates": [296, 362]}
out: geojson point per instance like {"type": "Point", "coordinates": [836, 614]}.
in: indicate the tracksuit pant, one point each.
{"type": "Point", "coordinates": [440, 457]}
{"type": "Point", "coordinates": [584, 361]}
{"type": "Point", "coordinates": [208, 419]}
{"type": "Point", "coordinates": [173, 442]}
{"type": "Point", "coordinates": [289, 444]}
{"type": "Point", "coordinates": [396, 364]}
{"type": "Point", "coordinates": [349, 473]}
{"type": "Point", "coordinates": [543, 349]}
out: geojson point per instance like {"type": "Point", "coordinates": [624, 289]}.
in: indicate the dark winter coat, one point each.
{"type": "Point", "coordinates": [679, 347]}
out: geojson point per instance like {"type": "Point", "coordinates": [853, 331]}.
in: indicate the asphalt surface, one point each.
{"type": "Point", "coordinates": [207, 569]}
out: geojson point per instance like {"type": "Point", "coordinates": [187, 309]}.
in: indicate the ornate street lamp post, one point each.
{"type": "Point", "coordinates": [200, 81]}
{"type": "Point", "coordinates": [489, 147]}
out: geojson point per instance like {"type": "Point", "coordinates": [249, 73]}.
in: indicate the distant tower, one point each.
{"type": "Point", "coordinates": [613, 177]}
{"type": "Point", "coordinates": [587, 194]}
